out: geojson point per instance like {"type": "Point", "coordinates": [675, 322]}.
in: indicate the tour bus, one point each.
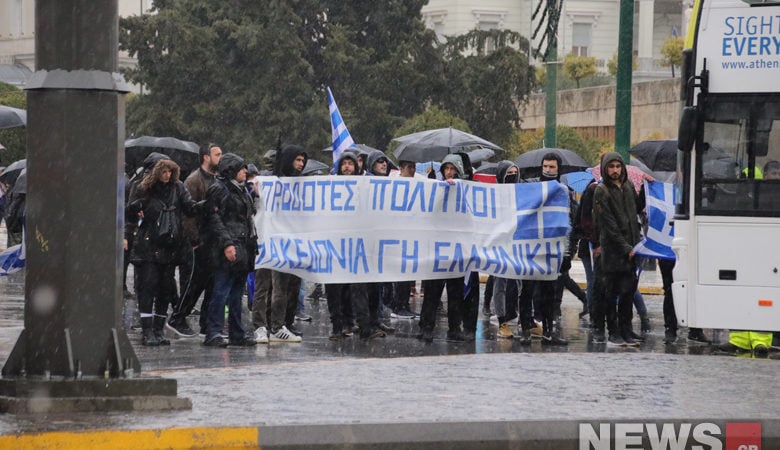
{"type": "Point", "coordinates": [727, 212]}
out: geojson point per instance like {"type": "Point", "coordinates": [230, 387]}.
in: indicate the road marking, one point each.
{"type": "Point", "coordinates": [173, 439]}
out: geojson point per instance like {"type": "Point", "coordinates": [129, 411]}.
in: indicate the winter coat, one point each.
{"type": "Point", "coordinates": [502, 168]}
{"type": "Point", "coordinates": [614, 209]}
{"type": "Point", "coordinates": [230, 219]}
{"type": "Point", "coordinates": [197, 183]}
{"type": "Point", "coordinates": [284, 159]}
{"type": "Point", "coordinates": [144, 248]}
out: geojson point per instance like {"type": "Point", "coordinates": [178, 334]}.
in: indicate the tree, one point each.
{"type": "Point", "coordinates": [250, 74]}
{"type": "Point", "coordinates": [486, 88]}
{"type": "Point", "coordinates": [579, 67]}
{"type": "Point", "coordinates": [13, 139]}
{"type": "Point", "coordinates": [671, 50]}
{"type": "Point", "coordinates": [612, 64]}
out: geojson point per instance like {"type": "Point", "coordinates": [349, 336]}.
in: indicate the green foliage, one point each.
{"type": "Point", "coordinates": [13, 139]}
{"type": "Point", "coordinates": [671, 50]}
{"type": "Point", "coordinates": [486, 88]}
{"type": "Point", "coordinates": [579, 67]}
{"type": "Point", "coordinates": [567, 137]}
{"type": "Point", "coordinates": [612, 65]}
{"type": "Point", "coordinates": [249, 75]}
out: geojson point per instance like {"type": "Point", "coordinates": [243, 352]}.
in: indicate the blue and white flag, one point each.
{"type": "Point", "coordinates": [660, 212]}
{"type": "Point", "coordinates": [13, 258]}
{"type": "Point", "coordinates": [342, 140]}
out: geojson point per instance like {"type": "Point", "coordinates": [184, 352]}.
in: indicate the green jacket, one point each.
{"type": "Point", "coordinates": [614, 209]}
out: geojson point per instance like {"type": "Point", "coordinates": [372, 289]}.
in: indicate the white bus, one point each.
{"type": "Point", "coordinates": [727, 217]}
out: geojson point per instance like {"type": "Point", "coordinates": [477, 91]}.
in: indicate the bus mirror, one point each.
{"type": "Point", "coordinates": [686, 134]}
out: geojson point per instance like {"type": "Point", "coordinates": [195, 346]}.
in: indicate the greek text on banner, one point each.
{"type": "Point", "coordinates": [346, 229]}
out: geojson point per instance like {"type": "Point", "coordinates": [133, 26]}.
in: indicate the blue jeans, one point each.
{"type": "Point", "coordinates": [228, 287]}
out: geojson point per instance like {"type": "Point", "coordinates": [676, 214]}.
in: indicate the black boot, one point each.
{"type": "Point", "coordinates": [159, 327]}
{"type": "Point", "coordinates": [644, 326]}
{"type": "Point", "coordinates": [148, 338]}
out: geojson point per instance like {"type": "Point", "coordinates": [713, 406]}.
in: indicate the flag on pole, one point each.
{"type": "Point", "coordinates": [342, 140]}
{"type": "Point", "coordinates": [660, 213]}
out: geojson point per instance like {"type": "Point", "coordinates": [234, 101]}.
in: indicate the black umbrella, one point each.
{"type": "Point", "coordinates": [530, 163]}
{"type": "Point", "coordinates": [312, 165]}
{"type": "Point", "coordinates": [657, 155]}
{"type": "Point", "coordinates": [12, 117]}
{"type": "Point", "coordinates": [20, 187]}
{"type": "Point", "coordinates": [434, 145]}
{"type": "Point", "coordinates": [487, 167]}
{"type": "Point", "coordinates": [480, 154]}
{"type": "Point", "coordinates": [11, 173]}
{"type": "Point", "coordinates": [183, 153]}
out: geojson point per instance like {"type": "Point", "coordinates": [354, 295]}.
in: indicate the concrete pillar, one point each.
{"type": "Point", "coordinates": [645, 38]}
{"type": "Point", "coordinates": [73, 349]}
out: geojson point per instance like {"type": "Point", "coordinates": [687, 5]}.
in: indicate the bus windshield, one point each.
{"type": "Point", "coordinates": [738, 158]}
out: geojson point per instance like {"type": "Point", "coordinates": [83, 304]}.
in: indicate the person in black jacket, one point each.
{"type": "Point", "coordinates": [232, 248]}
{"type": "Point", "coordinates": [156, 254]}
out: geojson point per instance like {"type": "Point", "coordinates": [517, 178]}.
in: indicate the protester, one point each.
{"type": "Point", "coordinates": [452, 170]}
{"type": "Point", "coordinates": [614, 206]}
{"type": "Point", "coordinates": [403, 289]}
{"type": "Point", "coordinates": [158, 244]}
{"type": "Point", "coordinates": [506, 291]}
{"type": "Point", "coordinates": [290, 161]}
{"type": "Point", "coordinates": [195, 276]}
{"type": "Point", "coordinates": [232, 248]}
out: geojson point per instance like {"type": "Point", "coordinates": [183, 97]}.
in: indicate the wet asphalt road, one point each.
{"type": "Point", "coordinates": [399, 379]}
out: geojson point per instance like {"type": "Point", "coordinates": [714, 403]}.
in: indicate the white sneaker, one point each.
{"type": "Point", "coordinates": [261, 335]}
{"type": "Point", "coordinates": [283, 335]}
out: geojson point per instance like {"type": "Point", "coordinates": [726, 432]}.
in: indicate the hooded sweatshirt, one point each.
{"type": "Point", "coordinates": [285, 158]}
{"type": "Point", "coordinates": [375, 156]}
{"type": "Point", "coordinates": [456, 161]}
{"type": "Point", "coordinates": [614, 209]}
{"type": "Point", "coordinates": [351, 156]}
{"type": "Point", "coordinates": [502, 168]}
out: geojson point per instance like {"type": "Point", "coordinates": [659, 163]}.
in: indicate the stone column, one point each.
{"type": "Point", "coordinates": [645, 38]}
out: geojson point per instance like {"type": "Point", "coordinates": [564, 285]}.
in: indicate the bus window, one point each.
{"type": "Point", "coordinates": [739, 135]}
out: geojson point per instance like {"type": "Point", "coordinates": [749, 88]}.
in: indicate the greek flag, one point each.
{"type": "Point", "coordinates": [12, 259]}
{"type": "Point", "coordinates": [660, 211]}
{"type": "Point", "coordinates": [341, 137]}
{"type": "Point", "coordinates": [542, 210]}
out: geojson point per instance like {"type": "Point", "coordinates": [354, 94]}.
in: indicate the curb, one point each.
{"type": "Point", "coordinates": [541, 434]}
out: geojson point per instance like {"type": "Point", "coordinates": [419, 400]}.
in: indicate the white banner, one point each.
{"type": "Point", "coordinates": [345, 229]}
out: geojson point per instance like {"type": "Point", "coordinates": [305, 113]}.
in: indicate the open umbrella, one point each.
{"type": "Point", "coordinates": [657, 155]}
{"type": "Point", "coordinates": [480, 154]}
{"type": "Point", "coordinates": [487, 167]}
{"type": "Point", "coordinates": [184, 153]}
{"type": "Point", "coordinates": [578, 181]}
{"type": "Point", "coordinates": [20, 187]}
{"type": "Point", "coordinates": [12, 172]}
{"type": "Point", "coordinates": [312, 165]}
{"type": "Point", "coordinates": [635, 174]}
{"type": "Point", "coordinates": [12, 117]}
{"type": "Point", "coordinates": [434, 145]}
{"type": "Point", "coordinates": [530, 162]}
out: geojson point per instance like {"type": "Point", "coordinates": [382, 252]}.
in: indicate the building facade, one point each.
{"type": "Point", "coordinates": [585, 28]}
{"type": "Point", "coordinates": [17, 36]}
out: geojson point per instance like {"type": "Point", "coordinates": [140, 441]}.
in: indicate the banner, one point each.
{"type": "Point", "coordinates": [346, 229]}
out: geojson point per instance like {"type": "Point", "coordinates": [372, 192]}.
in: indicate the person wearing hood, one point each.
{"type": "Point", "coordinates": [507, 291]}
{"type": "Point", "coordinates": [470, 307]}
{"type": "Point", "coordinates": [377, 164]}
{"type": "Point", "coordinates": [157, 248]}
{"type": "Point", "coordinates": [232, 245]}
{"type": "Point", "coordinates": [615, 211]}
{"type": "Point", "coordinates": [402, 290]}
{"type": "Point", "coordinates": [285, 287]}
{"type": "Point", "coordinates": [451, 169]}
{"type": "Point", "coordinates": [195, 277]}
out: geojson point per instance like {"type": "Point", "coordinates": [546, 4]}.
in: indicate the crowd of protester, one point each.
{"type": "Point", "coordinates": [204, 226]}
